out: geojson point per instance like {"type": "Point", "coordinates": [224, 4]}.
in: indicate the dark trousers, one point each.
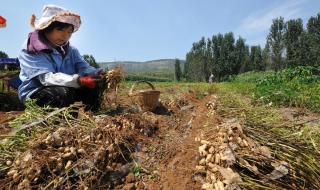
{"type": "Point", "coordinates": [61, 96]}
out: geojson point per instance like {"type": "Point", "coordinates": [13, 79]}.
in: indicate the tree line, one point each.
{"type": "Point", "coordinates": [288, 44]}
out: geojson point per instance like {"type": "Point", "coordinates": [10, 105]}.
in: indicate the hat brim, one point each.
{"type": "Point", "coordinates": [65, 17]}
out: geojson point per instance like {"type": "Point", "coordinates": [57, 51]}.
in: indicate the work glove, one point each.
{"type": "Point", "coordinates": [90, 81]}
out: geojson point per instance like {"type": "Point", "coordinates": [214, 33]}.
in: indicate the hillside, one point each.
{"type": "Point", "coordinates": [160, 65]}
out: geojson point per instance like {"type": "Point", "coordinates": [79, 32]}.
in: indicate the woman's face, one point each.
{"type": "Point", "coordinates": [60, 36]}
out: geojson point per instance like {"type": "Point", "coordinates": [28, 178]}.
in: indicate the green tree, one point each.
{"type": "Point", "coordinates": [246, 64]}
{"type": "Point", "coordinates": [178, 72]}
{"type": "Point", "coordinates": [255, 59]}
{"type": "Point", "coordinates": [216, 45]}
{"type": "Point", "coordinates": [227, 55]}
{"type": "Point", "coordinates": [208, 60]}
{"type": "Point", "coordinates": [219, 55]}
{"type": "Point", "coordinates": [266, 61]}
{"type": "Point", "coordinates": [186, 68]}
{"type": "Point", "coordinates": [188, 65]}
{"type": "Point", "coordinates": [240, 55]}
{"type": "Point", "coordinates": [276, 42]}
{"type": "Point", "coordinates": [2, 55]}
{"type": "Point", "coordinates": [313, 39]}
{"type": "Point", "coordinates": [223, 57]}
{"type": "Point", "coordinates": [293, 32]}
{"type": "Point", "coordinates": [196, 60]}
{"type": "Point", "coordinates": [91, 60]}
{"type": "Point", "coordinates": [305, 50]}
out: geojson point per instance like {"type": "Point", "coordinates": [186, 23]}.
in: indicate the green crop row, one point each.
{"type": "Point", "coordinates": [298, 87]}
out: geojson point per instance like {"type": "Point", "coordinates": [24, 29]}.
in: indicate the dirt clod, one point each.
{"type": "Point", "coordinates": [130, 178]}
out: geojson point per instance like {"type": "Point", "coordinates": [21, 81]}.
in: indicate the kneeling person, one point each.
{"type": "Point", "coordinates": [52, 71]}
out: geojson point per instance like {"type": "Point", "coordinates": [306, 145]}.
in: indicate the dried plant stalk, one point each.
{"type": "Point", "coordinates": [114, 77]}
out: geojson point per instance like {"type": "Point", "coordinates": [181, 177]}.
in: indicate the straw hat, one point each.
{"type": "Point", "coordinates": [51, 13]}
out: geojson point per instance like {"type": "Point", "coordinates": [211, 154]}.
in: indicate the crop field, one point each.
{"type": "Point", "coordinates": [240, 134]}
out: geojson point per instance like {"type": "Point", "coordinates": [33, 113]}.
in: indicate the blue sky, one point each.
{"type": "Point", "coordinates": [141, 30]}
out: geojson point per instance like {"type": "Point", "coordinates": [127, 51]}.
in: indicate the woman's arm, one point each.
{"type": "Point", "coordinates": [32, 65]}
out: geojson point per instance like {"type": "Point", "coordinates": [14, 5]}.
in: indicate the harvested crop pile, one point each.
{"type": "Point", "coordinates": [233, 157]}
{"type": "Point", "coordinates": [67, 152]}
{"type": "Point", "coordinates": [68, 159]}
{"type": "Point", "coordinates": [145, 123]}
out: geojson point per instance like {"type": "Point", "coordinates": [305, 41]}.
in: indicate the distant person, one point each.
{"type": "Point", "coordinates": [52, 71]}
{"type": "Point", "coordinates": [211, 78]}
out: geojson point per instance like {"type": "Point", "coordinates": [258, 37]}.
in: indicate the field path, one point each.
{"type": "Point", "coordinates": [176, 169]}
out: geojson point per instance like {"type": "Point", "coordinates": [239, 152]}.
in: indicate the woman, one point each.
{"type": "Point", "coordinates": [52, 71]}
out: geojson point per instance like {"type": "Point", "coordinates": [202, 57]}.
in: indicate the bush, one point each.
{"type": "Point", "coordinates": [299, 87]}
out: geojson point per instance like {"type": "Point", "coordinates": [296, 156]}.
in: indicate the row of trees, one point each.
{"type": "Point", "coordinates": [91, 60]}
{"type": "Point", "coordinates": [3, 55]}
{"type": "Point", "coordinates": [288, 44]}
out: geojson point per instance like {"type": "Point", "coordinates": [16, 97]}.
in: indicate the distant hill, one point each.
{"type": "Point", "coordinates": [160, 65]}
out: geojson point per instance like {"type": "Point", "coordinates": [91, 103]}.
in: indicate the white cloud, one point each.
{"type": "Point", "coordinates": [259, 22]}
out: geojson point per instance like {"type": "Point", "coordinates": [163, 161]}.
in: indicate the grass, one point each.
{"type": "Point", "coordinates": [151, 78]}
{"type": "Point", "coordinates": [238, 103]}
{"type": "Point", "coordinates": [136, 169]}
